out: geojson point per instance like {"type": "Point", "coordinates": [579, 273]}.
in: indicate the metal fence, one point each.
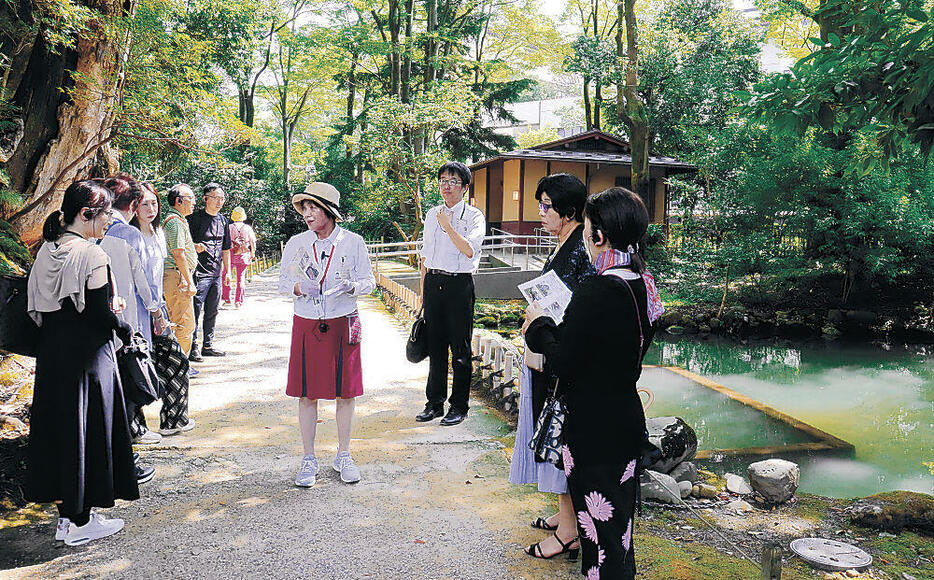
{"type": "Point", "coordinates": [500, 244]}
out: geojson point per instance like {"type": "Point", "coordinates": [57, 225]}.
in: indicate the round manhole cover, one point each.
{"type": "Point", "coordinates": [830, 554]}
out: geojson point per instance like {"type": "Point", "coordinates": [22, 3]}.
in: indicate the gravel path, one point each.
{"type": "Point", "coordinates": [433, 502]}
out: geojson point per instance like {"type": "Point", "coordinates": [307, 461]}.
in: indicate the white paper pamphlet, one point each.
{"type": "Point", "coordinates": [550, 292]}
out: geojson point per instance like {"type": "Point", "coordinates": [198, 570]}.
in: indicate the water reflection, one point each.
{"type": "Point", "coordinates": [881, 401]}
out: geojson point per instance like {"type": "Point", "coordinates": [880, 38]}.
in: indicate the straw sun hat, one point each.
{"type": "Point", "coordinates": [322, 194]}
{"type": "Point", "coordinates": [238, 214]}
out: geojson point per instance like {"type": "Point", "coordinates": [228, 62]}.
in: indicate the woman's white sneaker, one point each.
{"type": "Point", "coordinates": [97, 527]}
{"type": "Point", "coordinates": [308, 473]}
{"type": "Point", "coordinates": [344, 465]}
{"type": "Point", "coordinates": [148, 437]}
{"type": "Point", "coordinates": [183, 429]}
{"type": "Point", "coordinates": [61, 530]}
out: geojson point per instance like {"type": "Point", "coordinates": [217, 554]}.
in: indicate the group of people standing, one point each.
{"type": "Point", "coordinates": [107, 271]}
{"type": "Point", "coordinates": [111, 275]}
{"type": "Point", "coordinates": [592, 359]}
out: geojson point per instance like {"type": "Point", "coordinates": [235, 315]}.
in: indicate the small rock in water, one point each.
{"type": "Point", "coordinates": [676, 440]}
{"type": "Point", "coordinates": [685, 487]}
{"type": "Point", "coordinates": [660, 486]}
{"type": "Point", "coordinates": [776, 480]}
{"type": "Point", "coordinates": [736, 484]}
{"type": "Point", "coordinates": [684, 471]}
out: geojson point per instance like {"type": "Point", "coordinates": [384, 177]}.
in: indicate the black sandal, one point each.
{"type": "Point", "coordinates": [535, 550]}
{"type": "Point", "coordinates": [542, 524]}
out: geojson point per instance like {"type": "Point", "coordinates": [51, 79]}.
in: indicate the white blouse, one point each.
{"type": "Point", "coordinates": [341, 256]}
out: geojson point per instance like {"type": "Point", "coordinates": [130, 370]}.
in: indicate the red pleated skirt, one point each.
{"type": "Point", "coordinates": [324, 365]}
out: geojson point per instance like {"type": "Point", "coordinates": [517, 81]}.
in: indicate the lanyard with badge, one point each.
{"type": "Point", "coordinates": [322, 325]}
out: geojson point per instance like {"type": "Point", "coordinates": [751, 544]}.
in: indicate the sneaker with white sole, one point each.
{"type": "Point", "coordinates": [344, 465]}
{"type": "Point", "coordinates": [97, 527]}
{"type": "Point", "coordinates": [184, 428]}
{"type": "Point", "coordinates": [308, 473]}
{"type": "Point", "coordinates": [148, 438]}
{"type": "Point", "coordinates": [61, 530]}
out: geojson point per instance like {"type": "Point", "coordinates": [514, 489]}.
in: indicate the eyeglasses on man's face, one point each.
{"type": "Point", "coordinates": [449, 182]}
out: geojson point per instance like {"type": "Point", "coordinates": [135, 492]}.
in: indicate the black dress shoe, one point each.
{"type": "Point", "coordinates": [195, 356]}
{"type": "Point", "coordinates": [454, 417]}
{"type": "Point", "coordinates": [428, 414]}
{"type": "Point", "coordinates": [211, 351]}
{"type": "Point", "coordinates": [144, 473]}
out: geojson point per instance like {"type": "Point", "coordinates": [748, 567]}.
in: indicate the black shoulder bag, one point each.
{"type": "Point", "coordinates": [416, 348]}
{"type": "Point", "coordinates": [141, 383]}
{"type": "Point", "coordinates": [19, 334]}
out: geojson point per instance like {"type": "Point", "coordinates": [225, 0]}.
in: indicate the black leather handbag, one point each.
{"type": "Point", "coordinates": [19, 334]}
{"type": "Point", "coordinates": [141, 383]}
{"type": "Point", "coordinates": [548, 439]}
{"type": "Point", "coordinates": [416, 348]}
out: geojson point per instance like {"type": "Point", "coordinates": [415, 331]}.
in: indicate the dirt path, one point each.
{"type": "Point", "coordinates": [433, 503]}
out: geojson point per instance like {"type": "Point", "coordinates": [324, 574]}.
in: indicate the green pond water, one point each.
{"type": "Point", "coordinates": [880, 400]}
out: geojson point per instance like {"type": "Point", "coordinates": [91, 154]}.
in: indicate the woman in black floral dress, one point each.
{"type": "Point", "coordinates": [597, 353]}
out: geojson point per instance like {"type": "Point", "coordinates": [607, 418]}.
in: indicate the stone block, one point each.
{"type": "Point", "coordinates": [776, 480]}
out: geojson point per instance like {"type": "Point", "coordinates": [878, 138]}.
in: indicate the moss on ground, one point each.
{"type": "Point", "coordinates": [657, 557]}
{"type": "Point", "coordinates": [908, 553]}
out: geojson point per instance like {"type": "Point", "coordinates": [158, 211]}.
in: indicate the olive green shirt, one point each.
{"type": "Point", "coordinates": [177, 235]}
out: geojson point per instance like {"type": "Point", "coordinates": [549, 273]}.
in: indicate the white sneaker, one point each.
{"type": "Point", "coordinates": [97, 527]}
{"type": "Point", "coordinates": [148, 438]}
{"type": "Point", "coordinates": [308, 473]}
{"type": "Point", "coordinates": [184, 428]}
{"type": "Point", "coordinates": [61, 530]}
{"type": "Point", "coordinates": [344, 465]}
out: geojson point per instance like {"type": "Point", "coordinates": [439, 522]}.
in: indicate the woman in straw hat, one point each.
{"type": "Point", "coordinates": [324, 270]}
{"type": "Point", "coordinates": [242, 250]}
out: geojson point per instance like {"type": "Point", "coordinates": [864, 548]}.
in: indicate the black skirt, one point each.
{"type": "Point", "coordinates": [80, 450]}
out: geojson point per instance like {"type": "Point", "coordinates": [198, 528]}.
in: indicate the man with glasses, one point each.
{"type": "Point", "coordinates": [450, 255]}
{"type": "Point", "coordinates": [180, 261]}
{"type": "Point", "coordinates": [211, 232]}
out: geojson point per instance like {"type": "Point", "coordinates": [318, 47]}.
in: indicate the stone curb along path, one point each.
{"type": "Point", "coordinates": [434, 502]}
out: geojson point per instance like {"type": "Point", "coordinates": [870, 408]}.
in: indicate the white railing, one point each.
{"type": "Point", "coordinates": [497, 240]}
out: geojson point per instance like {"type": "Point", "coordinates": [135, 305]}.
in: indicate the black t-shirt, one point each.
{"type": "Point", "coordinates": [214, 233]}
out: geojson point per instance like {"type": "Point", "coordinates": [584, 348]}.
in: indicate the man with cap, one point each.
{"type": "Point", "coordinates": [323, 270]}
{"type": "Point", "coordinates": [454, 232]}
{"type": "Point", "coordinates": [210, 230]}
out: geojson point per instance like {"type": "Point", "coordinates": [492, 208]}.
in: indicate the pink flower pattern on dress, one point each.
{"type": "Point", "coordinates": [598, 506]}
{"type": "Point", "coordinates": [586, 523]}
{"type": "Point", "coordinates": [601, 556]}
{"type": "Point", "coordinates": [567, 459]}
{"type": "Point", "coordinates": [629, 472]}
{"type": "Point", "coordinates": [627, 537]}
{"type": "Point", "coordinates": [593, 573]}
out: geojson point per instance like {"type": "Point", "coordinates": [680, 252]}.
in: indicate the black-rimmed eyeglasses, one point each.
{"type": "Point", "coordinates": [449, 182]}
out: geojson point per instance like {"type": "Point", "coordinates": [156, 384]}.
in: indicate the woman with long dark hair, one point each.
{"type": "Point", "coordinates": [170, 362]}
{"type": "Point", "coordinates": [597, 354]}
{"type": "Point", "coordinates": [80, 455]}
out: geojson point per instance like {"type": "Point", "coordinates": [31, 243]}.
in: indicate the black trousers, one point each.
{"type": "Point", "coordinates": [207, 299]}
{"type": "Point", "coordinates": [449, 302]}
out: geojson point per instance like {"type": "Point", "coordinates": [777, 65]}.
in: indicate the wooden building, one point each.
{"type": "Point", "coordinates": [504, 186]}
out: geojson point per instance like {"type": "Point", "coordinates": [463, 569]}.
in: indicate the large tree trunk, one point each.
{"type": "Point", "coordinates": [395, 63]}
{"type": "Point", "coordinates": [65, 132]}
{"type": "Point", "coordinates": [588, 118]}
{"type": "Point", "coordinates": [632, 111]}
{"type": "Point", "coordinates": [431, 44]}
{"type": "Point", "coordinates": [406, 71]}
